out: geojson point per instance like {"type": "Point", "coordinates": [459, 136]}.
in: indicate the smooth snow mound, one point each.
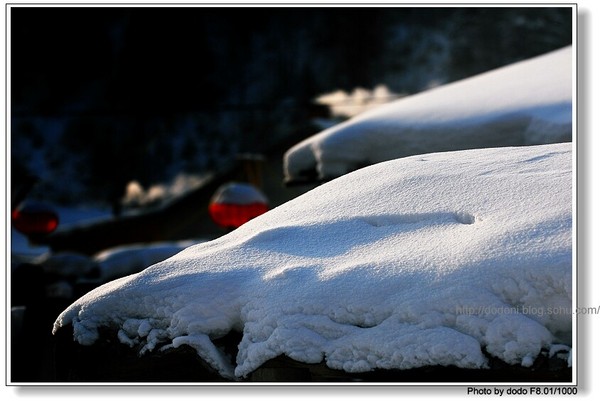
{"type": "Point", "coordinates": [427, 260]}
{"type": "Point", "coordinates": [526, 103]}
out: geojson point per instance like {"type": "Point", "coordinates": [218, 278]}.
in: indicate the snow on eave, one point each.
{"type": "Point", "coordinates": [528, 102]}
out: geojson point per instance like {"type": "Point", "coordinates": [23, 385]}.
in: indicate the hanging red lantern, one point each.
{"type": "Point", "coordinates": [34, 219]}
{"type": "Point", "coordinates": [234, 204]}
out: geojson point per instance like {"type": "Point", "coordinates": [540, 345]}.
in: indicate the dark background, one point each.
{"type": "Point", "coordinates": [104, 96]}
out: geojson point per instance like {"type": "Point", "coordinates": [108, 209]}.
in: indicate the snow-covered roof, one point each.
{"type": "Point", "coordinates": [525, 103]}
{"type": "Point", "coordinates": [426, 260]}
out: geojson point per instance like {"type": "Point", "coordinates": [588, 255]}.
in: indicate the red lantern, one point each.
{"type": "Point", "coordinates": [34, 219]}
{"type": "Point", "coordinates": [235, 204]}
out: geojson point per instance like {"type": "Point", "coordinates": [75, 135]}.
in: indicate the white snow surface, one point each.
{"type": "Point", "coordinates": [426, 260]}
{"type": "Point", "coordinates": [526, 103]}
{"type": "Point", "coordinates": [127, 259]}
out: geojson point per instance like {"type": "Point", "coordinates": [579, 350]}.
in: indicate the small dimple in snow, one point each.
{"type": "Point", "coordinates": [435, 218]}
{"type": "Point", "coordinates": [464, 218]}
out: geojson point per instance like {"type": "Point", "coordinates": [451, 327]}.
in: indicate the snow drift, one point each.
{"type": "Point", "coordinates": [438, 259]}
{"type": "Point", "coordinates": [525, 103]}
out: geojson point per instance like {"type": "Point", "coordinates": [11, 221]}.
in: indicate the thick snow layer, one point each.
{"type": "Point", "coordinates": [427, 260]}
{"type": "Point", "coordinates": [525, 103]}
